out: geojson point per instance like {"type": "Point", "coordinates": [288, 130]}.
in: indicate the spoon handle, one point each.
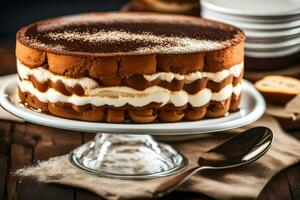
{"type": "Point", "coordinates": [177, 181]}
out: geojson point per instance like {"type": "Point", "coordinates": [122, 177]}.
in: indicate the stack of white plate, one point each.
{"type": "Point", "coordinates": [272, 27]}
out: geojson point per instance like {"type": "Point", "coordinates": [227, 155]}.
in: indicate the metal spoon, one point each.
{"type": "Point", "coordinates": [239, 150]}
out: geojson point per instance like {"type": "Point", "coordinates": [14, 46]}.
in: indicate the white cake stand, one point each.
{"type": "Point", "coordinates": [128, 151]}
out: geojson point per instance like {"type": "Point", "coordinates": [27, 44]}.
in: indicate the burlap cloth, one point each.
{"type": "Point", "coordinates": [239, 183]}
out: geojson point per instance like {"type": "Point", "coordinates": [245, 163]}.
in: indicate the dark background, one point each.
{"type": "Point", "coordinates": [16, 13]}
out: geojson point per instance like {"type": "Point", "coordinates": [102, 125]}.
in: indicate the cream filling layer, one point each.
{"type": "Point", "coordinates": [43, 75]}
{"type": "Point", "coordinates": [86, 83]}
{"type": "Point", "coordinates": [120, 96]}
{"type": "Point", "coordinates": [218, 77]}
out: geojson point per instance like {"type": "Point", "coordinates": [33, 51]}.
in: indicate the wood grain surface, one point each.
{"type": "Point", "coordinates": [26, 144]}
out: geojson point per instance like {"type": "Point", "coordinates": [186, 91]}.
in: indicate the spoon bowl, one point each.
{"type": "Point", "coordinates": [238, 150]}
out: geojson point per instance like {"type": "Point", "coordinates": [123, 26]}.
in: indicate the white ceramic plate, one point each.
{"type": "Point", "coordinates": [251, 24]}
{"type": "Point", "coordinates": [252, 108]}
{"type": "Point", "coordinates": [272, 34]}
{"type": "Point", "coordinates": [257, 32]}
{"type": "Point", "coordinates": [258, 53]}
{"type": "Point", "coordinates": [249, 19]}
{"type": "Point", "coordinates": [273, 40]}
{"type": "Point", "coordinates": [272, 46]}
{"type": "Point", "coordinates": [254, 7]}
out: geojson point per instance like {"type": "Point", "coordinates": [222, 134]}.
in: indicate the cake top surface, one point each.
{"type": "Point", "coordinates": [110, 34]}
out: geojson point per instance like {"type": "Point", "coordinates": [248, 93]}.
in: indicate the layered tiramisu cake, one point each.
{"type": "Point", "coordinates": [122, 67]}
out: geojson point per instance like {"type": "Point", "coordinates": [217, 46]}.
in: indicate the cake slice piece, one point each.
{"type": "Point", "coordinates": [278, 89]}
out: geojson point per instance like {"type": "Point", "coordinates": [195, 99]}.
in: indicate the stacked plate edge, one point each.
{"type": "Point", "coordinates": [272, 27]}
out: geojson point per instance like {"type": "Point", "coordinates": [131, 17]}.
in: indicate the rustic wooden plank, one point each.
{"type": "Point", "coordinates": [30, 189]}
{"type": "Point", "coordinates": [21, 156]}
{"type": "Point", "coordinates": [33, 143]}
{"type": "Point", "coordinates": [186, 196]}
{"type": "Point", "coordinates": [21, 148]}
{"type": "Point", "coordinates": [82, 194]}
{"type": "Point", "coordinates": [293, 176]}
{"type": "Point", "coordinates": [5, 140]}
{"type": "Point", "coordinates": [52, 142]}
{"type": "Point", "coordinates": [88, 137]}
{"type": "Point", "coordinates": [277, 188]}
{"type": "Point", "coordinates": [11, 191]}
{"type": "Point", "coordinates": [3, 174]}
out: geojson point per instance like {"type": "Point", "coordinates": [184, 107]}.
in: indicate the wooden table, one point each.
{"type": "Point", "coordinates": [26, 144]}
